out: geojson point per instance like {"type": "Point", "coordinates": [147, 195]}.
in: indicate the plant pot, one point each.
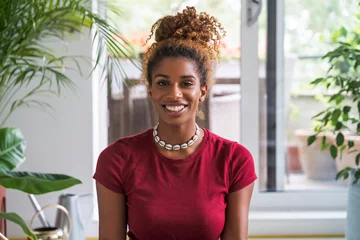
{"type": "Point", "coordinates": [352, 231]}
{"type": "Point", "coordinates": [316, 164]}
{"type": "Point", "coordinates": [3, 209]}
{"type": "Point", "coordinates": [293, 161]}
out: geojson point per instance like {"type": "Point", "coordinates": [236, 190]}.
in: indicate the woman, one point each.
{"type": "Point", "coordinates": [176, 180]}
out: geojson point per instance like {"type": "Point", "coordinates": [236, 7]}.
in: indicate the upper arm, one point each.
{"type": "Point", "coordinates": [236, 214]}
{"type": "Point", "coordinates": [112, 214]}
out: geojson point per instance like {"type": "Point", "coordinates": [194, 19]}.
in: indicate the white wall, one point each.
{"type": "Point", "coordinates": [61, 143]}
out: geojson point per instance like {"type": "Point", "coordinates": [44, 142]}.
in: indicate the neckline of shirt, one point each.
{"type": "Point", "coordinates": [192, 156]}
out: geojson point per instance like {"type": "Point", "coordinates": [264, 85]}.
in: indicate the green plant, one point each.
{"type": "Point", "coordinates": [29, 69]}
{"type": "Point", "coordinates": [342, 113]}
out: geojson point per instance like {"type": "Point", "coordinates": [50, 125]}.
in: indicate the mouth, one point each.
{"type": "Point", "coordinates": [174, 109]}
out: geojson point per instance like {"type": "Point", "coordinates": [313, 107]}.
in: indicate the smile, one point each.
{"type": "Point", "coordinates": [175, 108]}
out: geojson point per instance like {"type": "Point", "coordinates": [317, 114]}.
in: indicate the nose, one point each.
{"type": "Point", "coordinates": [175, 92]}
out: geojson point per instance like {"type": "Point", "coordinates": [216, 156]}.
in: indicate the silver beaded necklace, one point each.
{"type": "Point", "coordinates": [177, 146]}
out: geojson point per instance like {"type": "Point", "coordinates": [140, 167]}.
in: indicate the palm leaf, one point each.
{"type": "Point", "coordinates": [25, 25]}
{"type": "Point", "coordinates": [36, 183]}
{"type": "Point", "coordinates": [12, 148]}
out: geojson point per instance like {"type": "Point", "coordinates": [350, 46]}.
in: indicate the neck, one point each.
{"type": "Point", "coordinates": [176, 134]}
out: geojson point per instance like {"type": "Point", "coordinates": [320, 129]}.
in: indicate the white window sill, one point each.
{"type": "Point", "coordinates": [297, 223]}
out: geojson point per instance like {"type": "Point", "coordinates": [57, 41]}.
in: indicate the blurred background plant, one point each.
{"type": "Point", "coordinates": [30, 69]}
{"type": "Point", "coordinates": [340, 114]}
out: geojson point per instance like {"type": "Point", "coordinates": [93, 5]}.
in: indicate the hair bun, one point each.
{"type": "Point", "coordinates": [191, 26]}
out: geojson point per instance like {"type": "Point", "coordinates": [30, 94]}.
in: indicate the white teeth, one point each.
{"type": "Point", "coordinates": [175, 108]}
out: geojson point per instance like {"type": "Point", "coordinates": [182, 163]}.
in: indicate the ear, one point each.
{"type": "Point", "coordinates": [149, 94]}
{"type": "Point", "coordinates": [204, 91]}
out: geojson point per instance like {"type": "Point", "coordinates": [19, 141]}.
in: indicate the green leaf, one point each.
{"type": "Point", "coordinates": [345, 117]}
{"type": "Point", "coordinates": [358, 105]}
{"type": "Point", "coordinates": [339, 99]}
{"type": "Point", "coordinates": [357, 160]}
{"type": "Point", "coordinates": [12, 148]}
{"type": "Point", "coordinates": [339, 139]}
{"type": "Point", "coordinates": [356, 176]}
{"type": "Point", "coordinates": [338, 126]}
{"type": "Point", "coordinates": [333, 151]}
{"type": "Point", "coordinates": [13, 217]}
{"type": "Point", "coordinates": [343, 173]}
{"type": "Point", "coordinates": [346, 109]}
{"type": "Point", "coordinates": [317, 81]}
{"type": "Point", "coordinates": [311, 139]}
{"type": "Point", "coordinates": [323, 140]}
{"type": "Point", "coordinates": [324, 146]}
{"type": "Point", "coordinates": [350, 144]}
{"type": "Point", "coordinates": [318, 114]}
{"type": "Point", "coordinates": [36, 183]}
{"type": "Point", "coordinates": [336, 114]}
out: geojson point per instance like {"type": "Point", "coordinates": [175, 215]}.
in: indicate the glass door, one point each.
{"type": "Point", "coordinates": [281, 53]}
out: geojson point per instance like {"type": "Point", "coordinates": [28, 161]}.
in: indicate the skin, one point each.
{"type": "Point", "coordinates": [175, 81]}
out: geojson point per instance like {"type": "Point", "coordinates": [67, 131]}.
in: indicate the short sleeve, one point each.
{"type": "Point", "coordinates": [108, 170]}
{"type": "Point", "coordinates": [242, 168]}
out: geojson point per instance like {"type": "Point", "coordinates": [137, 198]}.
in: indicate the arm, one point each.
{"type": "Point", "coordinates": [236, 214]}
{"type": "Point", "coordinates": [112, 214]}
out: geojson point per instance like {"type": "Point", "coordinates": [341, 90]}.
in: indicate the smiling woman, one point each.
{"type": "Point", "coordinates": [176, 180]}
{"type": "Point", "coordinates": [176, 91]}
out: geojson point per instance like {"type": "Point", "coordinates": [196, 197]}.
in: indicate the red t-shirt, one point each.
{"type": "Point", "coordinates": [175, 199]}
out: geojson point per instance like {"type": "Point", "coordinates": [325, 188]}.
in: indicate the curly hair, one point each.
{"type": "Point", "coordinates": [187, 34]}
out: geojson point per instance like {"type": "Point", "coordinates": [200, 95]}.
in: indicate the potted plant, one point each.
{"type": "Point", "coordinates": [29, 67]}
{"type": "Point", "coordinates": [342, 117]}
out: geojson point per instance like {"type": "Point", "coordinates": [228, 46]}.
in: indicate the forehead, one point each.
{"type": "Point", "coordinates": [175, 66]}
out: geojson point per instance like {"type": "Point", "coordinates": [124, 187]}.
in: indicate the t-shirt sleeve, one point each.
{"type": "Point", "coordinates": [109, 170]}
{"type": "Point", "coordinates": [242, 168]}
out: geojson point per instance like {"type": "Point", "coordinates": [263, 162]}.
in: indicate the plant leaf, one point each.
{"type": "Point", "coordinates": [356, 176]}
{"type": "Point", "coordinates": [333, 151]}
{"type": "Point", "coordinates": [350, 144]}
{"type": "Point", "coordinates": [324, 146]}
{"type": "Point", "coordinates": [311, 139]}
{"type": "Point", "coordinates": [343, 173]}
{"type": "Point", "coordinates": [12, 148]}
{"type": "Point", "coordinates": [339, 99]}
{"type": "Point", "coordinates": [36, 183]}
{"type": "Point", "coordinates": [338, 126]}
{"type": "Point", "coordinates": [346, 109]}
{"type": "Point", "coordinates": [357, 160]}
{"type": "Point", "coordinates": [336, 114]}
{"type": "Point", "coordinates": [13, 217]}
{"type": "Point", "coordinates": [339, 139]}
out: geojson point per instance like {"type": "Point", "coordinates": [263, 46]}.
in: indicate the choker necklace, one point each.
{"type": "Point", "coordinates": [177, 146]}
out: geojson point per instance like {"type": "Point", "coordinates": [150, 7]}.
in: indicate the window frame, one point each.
{"type": "Point", "coordinates": [279, 202]}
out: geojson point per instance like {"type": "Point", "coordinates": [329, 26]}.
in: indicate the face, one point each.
{"type": "Point", "coordinates": [175, 90]}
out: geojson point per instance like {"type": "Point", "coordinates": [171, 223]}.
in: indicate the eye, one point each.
{"type": "Point", "coordinates": [162, 83]}
{"type": "Point", "coordinates": [187, 84]}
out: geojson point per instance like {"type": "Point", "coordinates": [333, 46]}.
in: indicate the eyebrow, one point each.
{"type": "Point", "coordinates": [182, 77]}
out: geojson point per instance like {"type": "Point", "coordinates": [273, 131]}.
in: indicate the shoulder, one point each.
{"type": "Point", "coordinates": [136, 141]}
{"type": "Point", "coordinates": [232, 146]}
{"type": "Point", "coordinates": [218, 141]}
{"type": "Point", "coordinates": [232, 150]}
{"type": "Point", "coordinates": [122, 148]}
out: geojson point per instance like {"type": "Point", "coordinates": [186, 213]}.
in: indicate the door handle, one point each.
{"type": "Point", "coordinates": [252, 16]}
